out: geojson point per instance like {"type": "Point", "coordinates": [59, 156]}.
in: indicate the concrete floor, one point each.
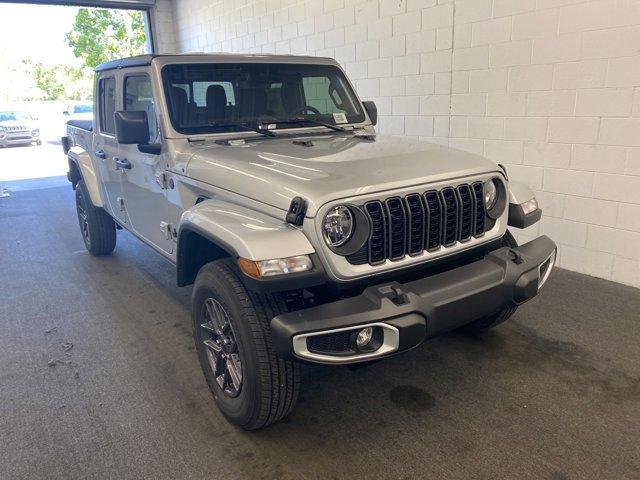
{"type": "Point", "coordinates": [99, 379]}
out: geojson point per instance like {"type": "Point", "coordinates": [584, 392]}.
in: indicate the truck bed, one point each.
{"type": "Point", "coordinates": [83, 124]}
{"type": "Point", "coordinates": [80, 133]}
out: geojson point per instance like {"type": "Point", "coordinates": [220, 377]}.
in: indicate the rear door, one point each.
{"type": "Point", "coordinates": [143, 186]}
{"type": "Point", "coordinates": [105, 145]}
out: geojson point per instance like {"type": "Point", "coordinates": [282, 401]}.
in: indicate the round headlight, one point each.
{"type": "Point", "coordinates": [337, 226]}
{"type": "Point", "coordinates": [490, 193]}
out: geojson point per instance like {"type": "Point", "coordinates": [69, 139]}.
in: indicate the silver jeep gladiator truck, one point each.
{"type": "Point", "coordinates": [306, 236]}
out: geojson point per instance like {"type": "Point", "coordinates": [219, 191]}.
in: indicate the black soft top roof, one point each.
{"type": "Point", "coordinates": [137, 61]}
{"type": "Point", "coordinates": [145, 60]}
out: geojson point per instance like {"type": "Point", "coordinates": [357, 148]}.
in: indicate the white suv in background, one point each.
{"type": "Point", "coordinates": [17, 128]}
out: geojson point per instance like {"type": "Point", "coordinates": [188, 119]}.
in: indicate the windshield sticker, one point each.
{"type": "Point", "coordinates": [340, 118]}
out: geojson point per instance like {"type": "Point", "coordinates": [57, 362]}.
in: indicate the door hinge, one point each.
{"type": "Point", "coordinates": [168, 231]}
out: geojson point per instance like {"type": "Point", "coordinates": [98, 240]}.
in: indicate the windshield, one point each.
{"type": "Point", "coordinates": [6, 116]}
{"type": "Point", "coordinates": [85, 108]}
{"type": "Point", "coordinates": [203, 95]}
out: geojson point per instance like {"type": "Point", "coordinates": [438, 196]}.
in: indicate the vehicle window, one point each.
{"type": "Point", "coordinates": [138, 95]}
{"type": "Point", "coordinates": [200, 90]}
{"type": "Point", "coordinates": [274, 98]}
{"type": "Point", "coordinates": [7, 116]}
{"type": "Point", "coordinates": [107, 95]}
{"type": "Point", "coordinates": [207, 98]}
{"type": "Point", "coordinates": [325, 96]}
{"type": "Point", "coordinates": [88, 108]}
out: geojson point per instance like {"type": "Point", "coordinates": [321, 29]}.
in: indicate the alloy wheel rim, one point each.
{"type": "Point", "coordinates": [82, 217]}
{"type": "Point", "coordinates": [221, 347]}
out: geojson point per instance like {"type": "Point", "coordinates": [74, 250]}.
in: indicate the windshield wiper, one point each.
{"type": "Point", "coordinates": [243, 125]}
{"type": "Point", "coordinates": [293, 121]}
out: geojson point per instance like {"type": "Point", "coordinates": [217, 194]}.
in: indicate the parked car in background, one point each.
{"type": "Point", "coordinates": [18, 128]}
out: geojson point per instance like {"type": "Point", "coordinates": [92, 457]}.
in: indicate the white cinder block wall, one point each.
{"type": "Point", "coordinates": [550, 88]}
{"type": "Point", "coordinates": [164, 27]}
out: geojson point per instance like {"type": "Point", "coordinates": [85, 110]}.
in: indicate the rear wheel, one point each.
{"type": "Point", "coordinates": [252, 386]}
{"type": "Point", "coordinates": [487, 323]}
{"type": "Point", "coordinates": [97, 227]}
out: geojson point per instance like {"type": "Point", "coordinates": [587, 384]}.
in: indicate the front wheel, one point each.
{"type": "Point", "coordinates": [252, 386]}
{"type": "Point", "coordinates": [487, 323]}
{"type": "Point", "coordinates": [97, 227]}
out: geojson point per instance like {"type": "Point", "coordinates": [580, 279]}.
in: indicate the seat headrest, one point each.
{"type": "Point", "coordinates": [216, 96]}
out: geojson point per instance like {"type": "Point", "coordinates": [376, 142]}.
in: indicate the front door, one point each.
{"type": "Point", "coordinates": [143, 186]}
{"type": "Point", "coordinates": [105, 147]}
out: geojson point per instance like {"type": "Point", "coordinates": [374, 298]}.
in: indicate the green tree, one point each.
{"type": "Point", "coordinates": [100, 35]}
{"type": "Point", "coordinates": [48, 79]}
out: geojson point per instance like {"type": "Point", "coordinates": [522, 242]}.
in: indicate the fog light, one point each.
{"type": "Point", "coordinates": [364, 337]}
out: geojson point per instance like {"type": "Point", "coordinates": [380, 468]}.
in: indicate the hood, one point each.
{"type": "Point", "coordinates": [335, 166]}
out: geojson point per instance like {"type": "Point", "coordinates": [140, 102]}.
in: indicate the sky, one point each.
{"type": "Point", "coordinates": [36, 32]}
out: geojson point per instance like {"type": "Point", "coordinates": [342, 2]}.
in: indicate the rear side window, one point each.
{"type": "Point", "coordinates": [107, 95]}
{"type": "Point", "coordinates": [138, 95]}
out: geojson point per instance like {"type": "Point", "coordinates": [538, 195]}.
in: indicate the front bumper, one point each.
{"type": "Point", "coordinates": [407, 314]}
{"type": "Point", "coordinates": [20, 138]}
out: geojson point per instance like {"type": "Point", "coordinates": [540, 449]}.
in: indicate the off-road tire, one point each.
{"type": "Point", "coordinates": [99, 233]}
{"type": "Point", "coordinates": [487, 323]}
{"type": "Point", "coordinates": [270, 384]}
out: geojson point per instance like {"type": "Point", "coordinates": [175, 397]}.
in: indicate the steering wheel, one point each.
{"type": "Point", "coordinates": [307, 108]}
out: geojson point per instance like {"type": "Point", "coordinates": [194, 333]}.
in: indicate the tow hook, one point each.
{"type": "Point", "coordinates": [515, 257]}
{"type": "Point", "coordinates": [395, 294]}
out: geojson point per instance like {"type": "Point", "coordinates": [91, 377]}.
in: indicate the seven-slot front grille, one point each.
{"type": "Point", "coordinates": [418, 222]}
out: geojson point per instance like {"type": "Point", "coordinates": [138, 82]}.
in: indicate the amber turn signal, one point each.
{"type": "Point", "coordinates": [249, 267]}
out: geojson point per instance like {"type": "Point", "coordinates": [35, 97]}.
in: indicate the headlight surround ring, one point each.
{"type": "Point", "coordinates": [495, 206]}
{"type": "Point", "coordinates": [337, 226]}
{"type": "Point", "coordinates": [359, 232]}
{"type": "Point", "coordinates": [490, 191]}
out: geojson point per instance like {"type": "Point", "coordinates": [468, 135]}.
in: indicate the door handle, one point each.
{"type": "Point", "coordinates": [100, 154]}
{"type": "Point", "coordinates": [122, 163]}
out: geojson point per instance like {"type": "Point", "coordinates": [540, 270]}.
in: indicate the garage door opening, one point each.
{"type": "Point", "coordinates": [47, 55]}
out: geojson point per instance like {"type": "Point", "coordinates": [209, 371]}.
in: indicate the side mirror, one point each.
{"type": "Point", "coordinates": [132, 127]}
{"type": "Point", "coordinates": [372, 111]}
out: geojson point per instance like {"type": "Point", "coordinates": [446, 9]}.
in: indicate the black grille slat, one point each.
{"type": "Point", "coordinates": [377, 240]}
{"type": "Point", "coordinates": [429, 221]}
{"type": "Point", "coordinates": [478, 198]}
{"type": "Point", "coordinates": [434, 216]}
{"type": "Point", "coordinates": [396, 225]}
{"type": "Point", "coordinates": [416, 224]}
{"type": "Point", "coordinates": [466, 212]}
{"type": "Point", "coordinates": [450, 217]}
